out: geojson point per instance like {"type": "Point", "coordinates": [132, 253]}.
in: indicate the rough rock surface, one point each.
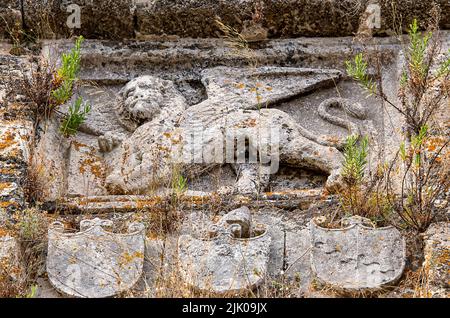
{"type": "Point", "coordinates": [11, 68]}
{"type": "Point", "coordinates": [290, 248]}
{"type": "Point", "coordinates": [8, 249]}
{"type": "Point", "coordinates": [278, 18]}
{"type": "Point", "coordinates": [94, 262]}
{"type": "Point", "coordinates": [112, 19]}
{"type": "Point", "coordinates": [14, 136]}
{"type": "Point", "coordinates": [49, 160]}
{"type": "Point", "coordinates": [197, 224]}
{"type": "Point", "coordinates": [10, 18]}
{"type": "Point", "coordinates": [14, 158]}
{"type": "Point", "coordinates": [16, 132]}
{"type": "Point", "coordinates": [85, 169]}
{"type": "Point", "coordinates": [118, 19]}
{"type": "Point", "coordinates": [357, 256]}
{"type": "Point", "coordinates": [224, 263]}
{"type": "Point", "coordinates": [436, 267]}
{"type": "Point", "coordinates": [10, 266]}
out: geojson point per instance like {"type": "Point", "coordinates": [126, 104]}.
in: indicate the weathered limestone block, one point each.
{"type": "Point", "coordinates": [155, 254]}
{"type": "Point", "coordinates": [14, 140]}
{"type": "Point", "coordinates": [10, 267]}
{"type": "Point", "coordinates": [255, 19]}
{"type": "Point", "coordinates": [112, 19]}
{"type": "Point", "coordinates": [197, 224]}
{"type": "Point", "coordinates": [14, 159]}
{"type": "Point", "coordinates": [11, 69]}
{"type": "Point", "coordinates": [276, 18]}
{"type": "Point", "coordinates": [12, 179]}
{"type": "Point", "coordinates": [224, 263]}
{"type": "Point", "coordinates": [436, 266]}
{"type": "Point", "coordinates": [190, 18]}
{"type": "Point", "coordinates": [8, 248]}
{"type": "Point", "coordinates": [275, 229]}
{"type": "Point", "coordinates": [10, 18]}
{"type": "Point", "coordinates": [95, 263]}
{"type": "Point", "coordinates": [291, 248]}
{"type": "Point", "coordinates": [86, 170]}
{"type": "Point", "coordinates": [357, 256]}
{"type": "Point", "coordinates": [298, 263]}
{"type": "Point", "coordinates": [49, 158]}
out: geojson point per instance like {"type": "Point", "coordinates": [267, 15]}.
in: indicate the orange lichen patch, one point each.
{"type": "Point", "coordinates": [196, 199]}
{"type": "Point", "coordinates": [6, 204]}
{"type": "Point", "coordinates": [435, 142]}
{"type": "Point", "coordinates": [141, 204]}
{"type": "Point", "coordinates": [7, 140]}
{"type": "Point", "coordinates": [78, 145]}
{"type": "Point", "coordinates": [126, 258]}
{"type": "Point", "coordinates": [6, 171]}
{"type": "Point", "coordinates": [94, 164]}
{"type": "Point", "coordinates": [5, 186]}
{"type": "Point", "coordinates": [85, 201]}
{"type": "Point", "coordinates": [239, 85]}
{"type": "Point", "coordinates": [3, 232]}
{"type": "Point", "coordinates": [325, 194]}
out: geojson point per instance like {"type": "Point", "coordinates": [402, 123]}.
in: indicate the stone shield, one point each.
{"type": "Point", "coordinates": [357, 256]}
{"type": "Point", "coordinates": [224, 264]}
{"type": "Point", "coordinates": [94, 263]}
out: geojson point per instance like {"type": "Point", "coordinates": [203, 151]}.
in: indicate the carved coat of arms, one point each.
{"type": "Point", "coordinates": [94, 262]}
{"type": "Point", "coordinates": [231, 261]}
{"type": "Point", "coordinates": [357, 256]}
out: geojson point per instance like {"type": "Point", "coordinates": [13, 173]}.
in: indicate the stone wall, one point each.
{"type": "Point", "coordinates": [118, 19]}
{"type": "Point", "coordinates": [16, 131]}
{"type": "Point", "coordinates": [300, 78]}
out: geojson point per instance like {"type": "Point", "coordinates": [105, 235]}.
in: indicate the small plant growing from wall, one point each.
{"type": "Point", "coordinates": [424, 87]}
{"type": "Point", "coordinates": [76, 116]}
{"type": "Point", "coordinates": [355, 161]}
{"type": "Point", "coordinates": [65, 79]}
{"type": "Point", "coordinates": [361, 193]}
{"type": "Point", "coordinates": [66, 76]}
{"type": "Point", "coordinates": [179, 185]}
{"type": "Point", "coordinates": [47, 88]}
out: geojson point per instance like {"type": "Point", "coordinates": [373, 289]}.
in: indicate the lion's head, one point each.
{"type": "Point", "coordinates": [144, 99]}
